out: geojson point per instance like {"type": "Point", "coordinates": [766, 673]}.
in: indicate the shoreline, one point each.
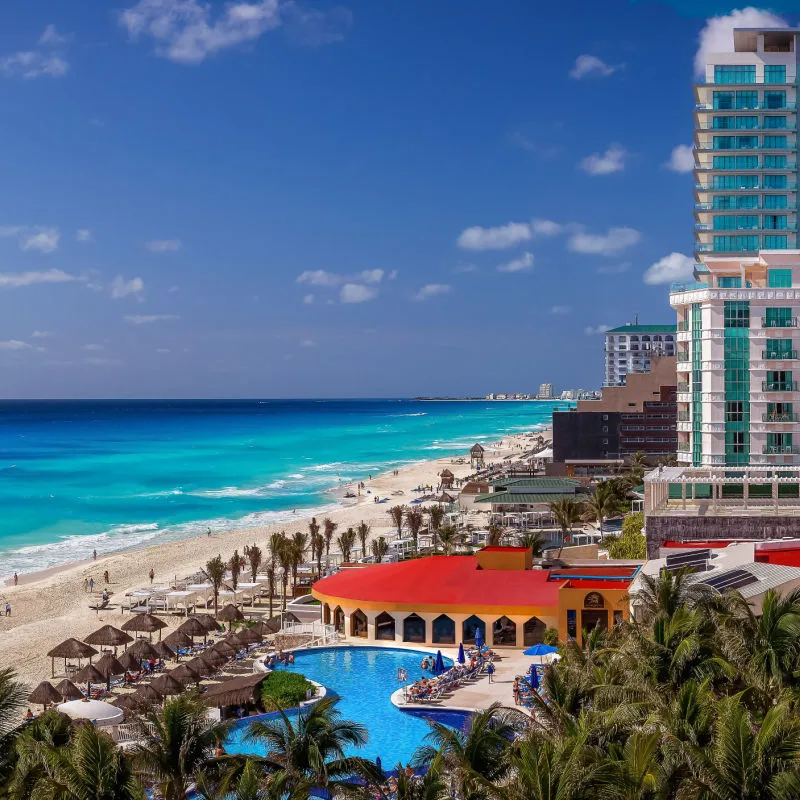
{"type": "Point", "coordinates": [51, 605]}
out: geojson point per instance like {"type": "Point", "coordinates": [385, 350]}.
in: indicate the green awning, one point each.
{"type": "Point", "coordinates": [523, 498]}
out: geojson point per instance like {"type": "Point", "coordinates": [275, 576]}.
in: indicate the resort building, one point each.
{"type": "Point", "coordinates": [630, 348]}
{"type": "Point", "coordinates": [598, 435]}
{"type": "Point", "coordinates": [444, 600]}
{"type": "Point", "coordinates": [516, 495]}
{"type": "Point", "coordinates": [545, 391]}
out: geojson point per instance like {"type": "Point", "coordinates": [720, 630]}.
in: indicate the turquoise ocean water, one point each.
{"type": "Point", "coordinates": [114, 475]}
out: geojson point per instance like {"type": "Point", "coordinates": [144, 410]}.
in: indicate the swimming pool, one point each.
{"type": "Point", "coordinates": [364, 679]}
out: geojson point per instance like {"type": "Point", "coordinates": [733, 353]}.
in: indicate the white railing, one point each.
{"type": "Point", "coordinates": [317, 629]}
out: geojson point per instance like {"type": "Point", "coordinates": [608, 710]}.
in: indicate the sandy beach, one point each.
{"type": "Point", "coordinates": [52, 605]}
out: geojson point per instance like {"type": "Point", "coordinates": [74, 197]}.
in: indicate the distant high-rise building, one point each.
{"type": "Point", "coordinates": [629, 348]}
{"type": "Point", "coordinates": [545, 391]}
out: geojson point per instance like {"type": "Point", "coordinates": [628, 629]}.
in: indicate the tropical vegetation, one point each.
{"type": "Point", "coordinates": [284, 689]}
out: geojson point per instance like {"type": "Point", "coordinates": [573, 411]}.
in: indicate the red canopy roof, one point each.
{"type": "Point", "coordinates": [446, 581]}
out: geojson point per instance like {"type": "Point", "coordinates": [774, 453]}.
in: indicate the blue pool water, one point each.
{"type": "Point", "coordinates": [364, 679]}
{"type": "Point", "coordinates": [115, 475]}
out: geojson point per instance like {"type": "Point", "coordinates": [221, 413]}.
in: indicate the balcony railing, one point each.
{"type": "Point", "coordinates": [776, 355]}
{"type": "Point", "coordinates": [684, 416]}
{"type": "Point", "coordinates": [683, 326]}
{"type": "Point", "coordinates": [791, 186]}
{"type": "Point", "coordinates": [684, 447]}
{"type": "Point", "coordinates": [752, 107]}
{"type": "Point", "coordinates": [718, 209]}
{"type": "Point", "coordinates": [687, 286]}
{"type": "Point", "coordinates": [779, 386]}
{"type": "Point", "coordinates": [779, 417]}
{"type": "Point", "coordinates": [790, 227]}
{"type": "Point", "coordinates": [709, 126]}
{"type": "Point", "coordinates": [683, 387]}
{"type": "Point", "coordinates": [789, 322]}
{"type": "Point", "coordinates": [682, 357]}
{"type": "Point", "coordinates": [780, 450]}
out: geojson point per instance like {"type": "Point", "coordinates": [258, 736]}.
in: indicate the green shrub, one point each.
{"type": "Point", "coordinates": [284, 689]}
{"type": "Point", "coordinates": [551, 636]}
{"type": "Point", "coordinates": [633, 522]}
{"type": "Point", "coordinates": [631, 543]}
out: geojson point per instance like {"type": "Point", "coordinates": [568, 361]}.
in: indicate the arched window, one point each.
{"type": "Point", "coordinates": [470, 626]}
{"type": "Point", "coordinates": [338, 619]}
{"type": "Point", "coordinates": [504, 632]}
{"type": "Point", "coordinates": [414, 629]}
{"type": "Point", "coordinates": [358, 624]}
{"type": "Point", "coordinates": [444, 630]}
{"type": "Point", "coordinates": [594, 600]}
{"type": "Point", "coordinates": [326, 614]}
{"type": "Point", "coordinates": [533, 632]}
{"type": "Point", "coordinates": [384, 627]}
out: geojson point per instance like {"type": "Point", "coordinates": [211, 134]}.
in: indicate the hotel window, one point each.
{"type": "Point", "coordinates": [774, 100]}
{"type": "Point", "coordinates": [774, 122]}
{"type": "Point", "coordinates": [779, 380]}
{"type": "Point", "coordinates": [724, 162]}
{"type": "Point", "coordinates": [724, 123]}
{"type": "Point", "coordinates": [724, 101]}
{"type": "Point", "coordinates": [729, 283]}
{"type": "Point", "coordinates": [735, 244]}
{"type": "Point", "coordinates": [724, 142]}
{"type": "Point", "coordinates": [725, 202]}
{"type": "Point", "coordinates": [747, 100]}
{"type": "Point", "coordinates": [779, 279]}
{"type": "Point", "coordinates": [776, 201]}
{"type": "Point", "coordinates": [773, 242]}
{"type": "Point", "coordinates": [751, 142]}
{"type": "Point", "coordinates": [771, 142]}
{"type": "Point", "coordinates": [736, 314]}
{"type": "Point", "coordinates": [746, 123]}
{"type": "Point", "coordinates": [774, 162]}
{"type": "Point", "coordinates": [747, 201]}
{"type": "Point", "coordinates": [779, 442]}
{"type": "Point", "coordinates": [777, 317]}
{"type": "Point", "coordinates": [724, 182]}
{"type": "Point", "coordinates": [774, 73]}
{"type": "Point", "coordinates": [774, 181]}
{"type": "Point", "coordinates": [734, 442]}
{"type": "Point", "coordinates": [779, 348]}
{"type": "Point", "coordinates": [775, 222]}
{"type": "Point", "coordinates": [747, 181]}
{"type": "Point", "coordinates": [735, 73]}
{"type": "Point", "coordinates": [747, 162]}
{"type": "Point", "coordinates": [734, 411]}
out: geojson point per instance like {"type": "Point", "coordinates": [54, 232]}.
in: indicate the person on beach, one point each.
{"type": "Point", "coordinates": [85, 584]}
{"type": "Point", "coordinates": [16, 579]}
{"type": "Point", "coordinates": [105, 576]}
{"type": "Point", "coordinates": [490, 672]}
{"type": "Point", "coordinates": [94, 555]}
{"type": "Point", "coordinates": [8, 609]}
{"type": "Point", "coordinates": [152, 575]}
{"type": "Point", "coordinates": [516, 691]}
{"type": "Point", "coordinates": [91, 585]}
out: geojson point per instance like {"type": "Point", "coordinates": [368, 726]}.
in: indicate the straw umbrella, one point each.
{"type": "Point", "coordinates": [176, 640]}
{"type": "Point", "coordinates": [230, 614]}
{"type": "Point", "coordinates": [266, 628]}
{"type": "Point", "coordinates": [248, 636]}
{"type": "Point", "coordinates": [108, 666]}
{"type": "Point", "coordinates": [207, 621]}
{"type": "Point", "coordinates": [68, 690]}
{"type": "Point", "coordinates": [109, 636]}
{"type": "Point", "coordinates": [164, 651]}
{"type": "Point", "coordinates": [193, 627]}
{"type": "Point", "coordinates": [129, 661]}
{"type": "Point", "coordinates": [185, 674]}
{"type": "Point", "coordinates": [213, 658]}
{"type": "Point", "coordinates": [44, 694]}
{"type": "Point", "coordinates": [203, 668]}
{"type": "Point", "coordinates": [145, 623]}
{"type": "Point", "coordinates": [165, 684]}
{"type": "Point", "coordinates": [225, 648]}
{"type": "Point", "coordinates": [89, 675]}
{"type": "Point", "coordinates": [70, 648]}
{"type": "Point", "coordinates": [148, 693]}
{"type": "Point", "coordinates": [144, 651]}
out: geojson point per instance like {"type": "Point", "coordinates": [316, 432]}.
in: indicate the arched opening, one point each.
{"type": "Point", "coordinates": [338, 619]}
{"type": "Point", "coordinates": [414, 629]}
{"type": "Point", "coordinates": [384, 627]}
{"type": "Point", "coordinates": [594, 614]}
{"type": "Point", "coordinates": [444, 630]}
{"type": "Point", "coordinates": [326, 614]}
{"type": "Point", "coordinates": [504, 632]}
{"type": "Point", "coordinates": [358, 624]}
{"type": "Point", "coordinates": [533, 632]}
{"type": "Point", "coordinates": [594, 600]}
{"type": "Point", "coordinates": [470, 626]}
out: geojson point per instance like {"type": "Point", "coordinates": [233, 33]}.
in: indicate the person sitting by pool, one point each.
{"type": "Point", "coordinates": [290, 658]}
{"type": "Point", "coordinates": [29, 714]}
{"type": "Point", "coordinates": [425, 663]}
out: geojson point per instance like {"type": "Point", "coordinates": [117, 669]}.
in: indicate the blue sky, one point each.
{"type": "Point", "coordinates": [278, 199]}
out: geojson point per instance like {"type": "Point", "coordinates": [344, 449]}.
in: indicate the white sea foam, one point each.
{"type": "Point", "coordinates": [297, 476]}
{"type": "Point", "coordinates": [415, 414]}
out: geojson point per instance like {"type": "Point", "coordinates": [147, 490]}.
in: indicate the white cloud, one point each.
{"type": "Point", "coordinates": [319, 277]}
{"type": "Point", "coordinates": [597, 329]}
{"type": "Point", "coordinates": [163, 245]}
{"type": "Point", "coordinates": [16, 344]}
{"type": "Point", "coordinates": [32, 64]}
{"type": "Point", "coordinates": [681, 159]}
{"type": "Point", "coordinates": [308, 299]}
{"type": "Point", "coordinates": [674, 267]}
{"type": "Point", "coordinates": [97, 122]}
{"type": "Point", "coordinates": [717, 35]}
{"type": "Point", "coordinates": [356, 293]}
{"type": "Point", "coordinates": [613, 160]}
{"type": "Point", "coordinates": [546, 227]}
{"type": "Point", "coordinates": [173, 289]}
{"type": "Point", "coordinates": [432, 290]}
{"type": "Point", "coordinates": [147, 319]}
{"type": "Point", "coordinates": [393, 274]}
{"type": "Point", "coordinates": [93, 348]}
{"type": "Point", "coordinates": [121, 288]}
{"type": "Point", "coordinates": [41, 334]}
{"type": "Point", "coordinates": [308, 343]}
{"type": "Point", "coordinates": [52, 37]}
{"type": "Point", "coordinates": [14, 280]}
{"type": "Point", "coordinates": [592, 66]}
{"type": "Point", "coordinates": [614, 269]}
{"type": "Point", "coordinates": [83, 235]}
{"type": "Point", "coordinates": [312, 27]}
{"type": "Point", "coordinates": [32, 237]}
{"type": "Point", "coordinates": [371, 275]}
{"type": "Point", "coordinates": [162, 350]}
{"type": "Point", "coordinates": [524, 262]}
{"type": "Point", "coordinates": [499, 238]}
{"type": "Point", "coordinates": [459, 268]}
{"type": "Point", "coordinates": [613, 242]}
{"type": "Point", "coordinates": [561, 309]}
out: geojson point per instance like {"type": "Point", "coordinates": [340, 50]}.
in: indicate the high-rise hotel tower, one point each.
{"type": "Point", "coordinates": [738, 335]}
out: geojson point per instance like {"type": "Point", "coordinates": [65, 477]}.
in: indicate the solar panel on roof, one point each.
{"type": "Point", "coordinates": [731, 579]}
{"type": "Point", "coordinates": [693, 559]}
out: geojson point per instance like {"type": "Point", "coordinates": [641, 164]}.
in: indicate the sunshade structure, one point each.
{"type": "Point", "coordinates": [109, 636]}
{"type": "Point", "coordinates": [44, 694]}
{"type": "Point", "coordinates": [193, 627]}
{"type": "Point", "coordinates": [540, 650]}
{"type": "Point", "coordinates": [207, 621]}
{"type": "Point", "coordinates": [202, 667]}
{"type": "Point", "coordinates": [147, 693]}
{"type": "Point", "coordinates": [225, 648]}
{"type": "Point", "coordinates": [185, 674]}
{"type": "Point", "coordinates": [445, 499]}
{"type": "Point", "coordinates": [237, 642]}
{"type": "Point", "coordinates": [164, 651]}
{"type": "Point", "coordinates": [129, 661]}
{"type": "Point", "coordinates": [236, 691]}
{"type": "Point", "coordinates": [70, 648]}
{"type": "Point", "coordinates": [89, 675]}
{"type": "Point", "coordinates": [248, 636]}
{"type": "Point", "coordinates": [165, 685]}
{"type": "Point", "coordinates": [230, 614]}
{"type": "Point", "coordinates": [145, 623]}
{"type": "Point", "coordinates": [267, 627]}
{"type": "Point", "coordinates": [144, 651]}
{"type": "Point", "coordinates": [177, 640]}
{"type": "Point", "coordinates": [99, 712]}
{"type": "Point", "coordinates": [213, 658]}
{"type": "Point", "coordinates": [68, 690]}
{"type": "Point", "coordinates": [108, 666]}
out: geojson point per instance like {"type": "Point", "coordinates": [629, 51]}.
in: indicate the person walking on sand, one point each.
{"type": "Point", "coordinates": [16, 579]}
{"type": "Point", "coordinates": [8, 609]}
{"type": "Point", "coordinates": [490, 672]}
{"type": "Point", "coordinates": [85, 584]}
{"type": "Point", "coordinates": [105, 576]}
{"type": "Point", "coordinates": [152, 575]}
{"type": "Point", "coordinates": [94, 555]}
{"type": "Point", "coordinates": [91, 585]}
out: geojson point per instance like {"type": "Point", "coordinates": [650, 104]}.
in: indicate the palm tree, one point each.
{"type": "Point", "coordinates": [379, 548]}
{"type": "Point", "coordinates": [299, 543]}
{"type": "Point", "coordinates": [397, 513]}
{"type": "Point", "coordinates": [363, 530]}
{"type": "Point", "coordinates": [414, 522]}
{"type": "Point", "coordinates": [449, 536]}
{"type": "Point", "coordinates": [566, 512]}
{"type": "Point", "coordinates": [12, 698]}
{"type": "Point", "coordinates": [534, 541]}
{"type": "Point", "coordinates": [601, 505]}
{"type": "Point", "coordinates": [275, 544]}
{"type": "Point", "coordinates": [435, 518]}
{"type": "Point", "coordinates": [244, 781]}
{"type": "Point", "coordinates": [286, 559]}
{"type": "Point", "coordinates": [235, 566]}
{"type": "Point", "coordinates": [175, 744]}
{"type": "Point", "coordinates": [215, 572]}
{"type": "Point", "coordinates": [637, 467]}
{"type": "Point", "coordinates": [255, 556]}
{"type": "Point", "coordinates": [430, 786]}
{"type": "Point", "coordinates": [319, 540]}
{"type": "Point", "coordinates": [346, 542]}
{"type": "Point", "coordinates": [329, 526]}
{"type": "Point", "coordinates": [313, 531]}
{"type": "Point", "coordinates": [495, 536]}
{"type": "Point", "coordinates": [307, 752]}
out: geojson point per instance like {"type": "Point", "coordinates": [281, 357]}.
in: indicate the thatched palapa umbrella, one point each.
{"type": "Point", "coordinates": [267, 627]}
{"type": "Point", "coordinates": [89, 675]}
{"type": "Point", "coordinates": [203, 668]}
{"type": "Point", "coordinates": [177, 640]}
{"type": "Point", "coordinates": [193, 627]}
{"type": "Point", "coordinates": [44, 694]}
{"type": "Point", "coordinates": [68, 690]}
{"type": "Point", "coordinates": [213, 658]}
{"type": "Point", "coordinates": [165, 685]}
{"type": "Point", "coordinates": [185, 674]}
{"type": "Point", "coordinates": [207, 621]}
{"type": "Point", "coordinates": [109, 636]}
{"type": "Point", "coordinates": [144, 651]}
{"type": "Point", "coordinates": [248, 636]}
{"type": "Point", "coordinates": [230, 614]}
{"type": "Point", "coordinates": [164, 651]}
{"type": "Point", "coordinates": [225, 648]}
{"type": "Point", "coordinates": [108, 666]}
{"type": "Point", "coordinates": [148, 693]}
{"type": "Point", "coordinates": [70, 648]}
{"type": "Point", "coordinates": [145, 623]}
{"type": "Point", "coordinates": [129, 661]}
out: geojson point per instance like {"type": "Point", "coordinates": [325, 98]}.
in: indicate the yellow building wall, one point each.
{"type": "Point", "coordinates": [505, 559]}
{"type": "Point", "coordinates": [572, 599]}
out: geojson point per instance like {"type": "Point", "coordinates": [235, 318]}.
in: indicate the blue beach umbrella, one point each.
{"type": "Point", "coordinates": [540, 650]}
{"type": "Point", "coordinates": [478, 638]}
{"type": "Point", "coordinates": [462, 659]}
{"type": "Point", "coordinates": [438, 666]}
{"type": "Point", "coordinates": [534, 679]}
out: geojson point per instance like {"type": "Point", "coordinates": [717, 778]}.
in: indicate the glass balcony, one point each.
{"type": "Point", "coordinates": [683, 447]}
{"type": "Point", "coordinates": [709, 126]}
{"type": "Point", "coordinates": [682, 357]}
{"type": "Point", "coordinates": [785, 322]}
{"type": "Point", "coordinates": [779, 417]}
{"type": "Point", "coordinates": [791, 186]}
{"type": "Point", "coordinates": [753, 107]}
{"type": "Point", "coordinates": [686, 286]}
{"type": "Point", "coordinates": [703, 227]}
{"type": "Point", "coordinates": [780, 450]}
{"type": "Point", "coordinates": [777, 355]}
{"type": "Point", "coordinates": [684, 416]}
{"type": "Point", "coordinates": [778, 386]}
{"type": "Point", "coordinates": [683, 387]}
{"type": "Point", "coordinates": [683, 326]}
